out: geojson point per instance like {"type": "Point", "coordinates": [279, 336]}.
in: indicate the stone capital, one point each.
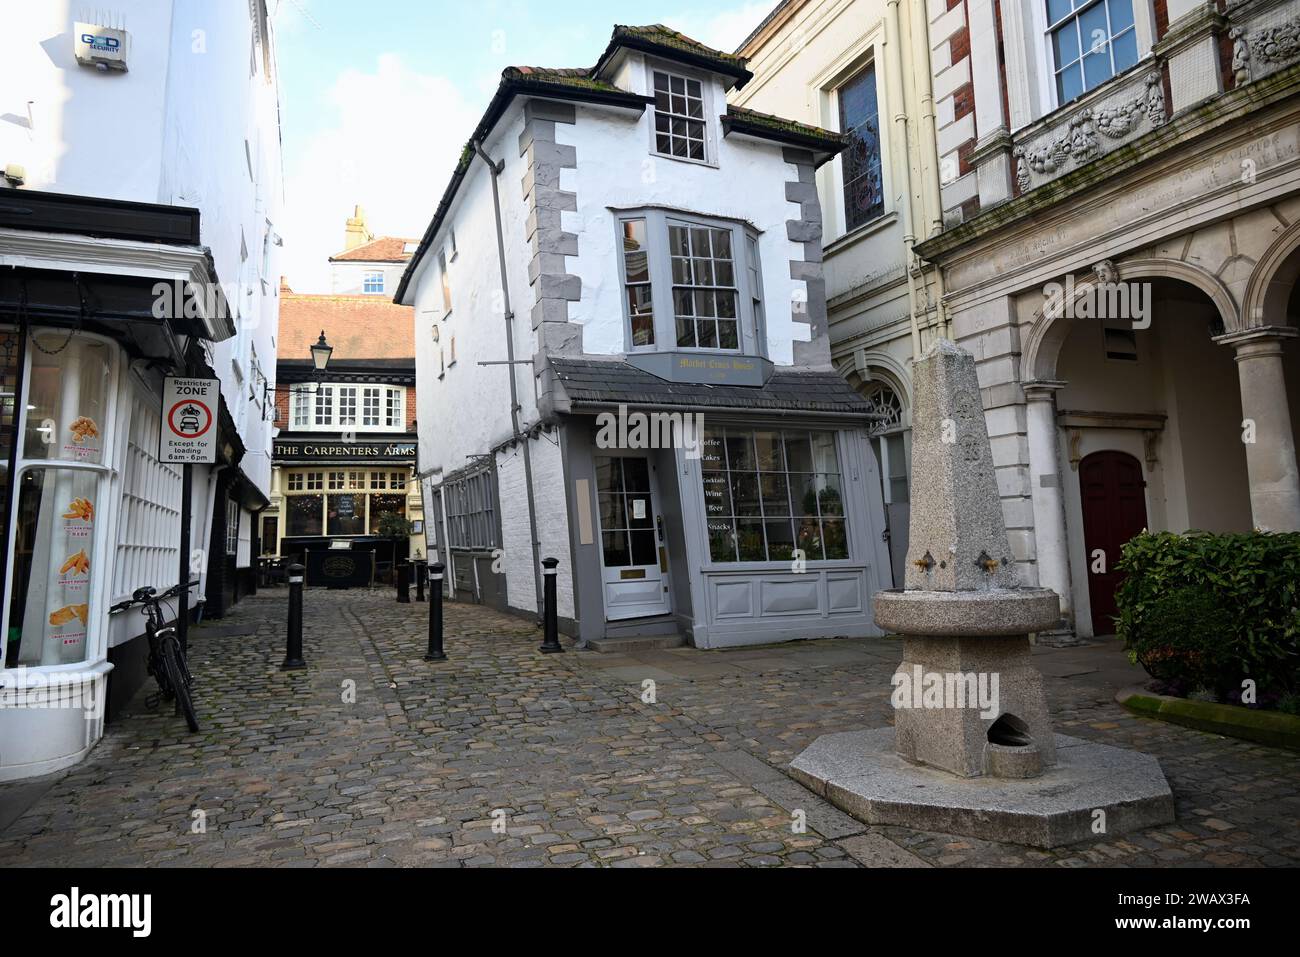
{"type": "Point", "coordinates": [1042, 390]}
{"type": "Point", "coordinates": [1259, 341]}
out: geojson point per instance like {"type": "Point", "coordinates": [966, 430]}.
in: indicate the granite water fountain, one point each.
{"type": "Point", "coordinates": [972, 750]}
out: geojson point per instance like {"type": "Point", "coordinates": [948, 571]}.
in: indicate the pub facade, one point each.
{"type": "Point", "coordinates": [343, 460]}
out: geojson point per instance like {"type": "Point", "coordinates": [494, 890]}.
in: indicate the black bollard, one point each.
{"type": "Point", "coordinates": [404, 583]}
{"type": "Point", "coordinates": [435, 652]}
{"type": "Point", "coordinates": [293, 644]}
{"type": "Point", "coordinates": [550, 630]}
{"type": "Point", "coordinates": [421, 569]}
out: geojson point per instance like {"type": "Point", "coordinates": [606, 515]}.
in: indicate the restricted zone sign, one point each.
{"type": "Point", "coordinates": [189, 420]}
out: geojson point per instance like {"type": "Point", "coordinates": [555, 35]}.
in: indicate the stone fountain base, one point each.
{"type": "Point", "coordinates": [861, 773]}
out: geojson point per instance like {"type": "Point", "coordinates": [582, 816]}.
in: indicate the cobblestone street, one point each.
{"type": "Point", "coordinates": [373, 757]}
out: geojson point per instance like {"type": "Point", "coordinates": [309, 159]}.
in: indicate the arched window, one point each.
{"type": "Point", "coordinates": [890, 440]}
{"type": "Point", "coordinates": [884, 401]}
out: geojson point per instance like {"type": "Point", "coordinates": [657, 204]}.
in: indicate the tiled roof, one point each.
{"type": "Point", "coordinates": [358, 327]}
{"type": "Point", "coordinates": [381, 249]}
{"type": "Point", "coordinates": [610, 382]}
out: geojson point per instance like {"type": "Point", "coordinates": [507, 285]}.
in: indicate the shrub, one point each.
{"type": "Point", "coordinates": [1207, 611]}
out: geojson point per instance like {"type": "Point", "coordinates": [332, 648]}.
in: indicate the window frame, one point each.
{"type": "Point", "coordinates": [1053, 71]}
{"type": "Point", "coordinates": [368, 279]}
{"type": "Point", "coordinates": [109, 478]}
{"type": "Point", "coordinates": [470, 507]}
{"type": "Point", "coordinates": [752, 334]}
{"type": "Point", "coordinates": [308, 397]}
{"type": "Point", "coordinates": [847, 477]}
{"type": "Point", "coordinates": [710, 118]}
{"type": "Point", "coordinates": [858, 69]}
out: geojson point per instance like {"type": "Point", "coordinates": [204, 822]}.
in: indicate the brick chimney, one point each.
{"type": "Point", "coordinates": [356, 233]}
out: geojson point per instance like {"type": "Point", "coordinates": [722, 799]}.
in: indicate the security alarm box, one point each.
{"type": "Point", "coordinates": [101, 47]}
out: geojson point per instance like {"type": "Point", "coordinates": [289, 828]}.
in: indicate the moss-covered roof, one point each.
{"type": "Point", "coordinates": [778, 128]}
{"type": "Point", "coordinates": [578, 79]}
{"type": "Point", "coordinates": [657, 38]}
{"type": "Point", "coordinates": [661, 35]}
{"type": "Point", "coordinates": [779, 124]}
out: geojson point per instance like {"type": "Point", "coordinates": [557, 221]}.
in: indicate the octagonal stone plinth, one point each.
{"type": "Point", "coordinates": [860, 773]}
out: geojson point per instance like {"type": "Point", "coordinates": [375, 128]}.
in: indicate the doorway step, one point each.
{"type": "Point", "coordinates": [627, 643]}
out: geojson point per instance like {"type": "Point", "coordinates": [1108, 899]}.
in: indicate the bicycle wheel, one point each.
{"type": "Point", "coordinates": [176, 677]}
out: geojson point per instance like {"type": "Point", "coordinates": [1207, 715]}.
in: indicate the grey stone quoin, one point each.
{"type": "Point", "coordinates": [807, 231]}
{"type": "Point", "coordinates": [548, 270]}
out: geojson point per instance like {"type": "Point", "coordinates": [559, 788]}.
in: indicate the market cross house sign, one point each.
{"type": "Point", "coordinates": [703, 368]}
{"type": "Point", "coordinates": [334, 450]}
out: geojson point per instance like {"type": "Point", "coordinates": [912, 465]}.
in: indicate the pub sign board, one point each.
{"type": "Point", "coordinates": [337, 450]}
{"type": "Point", "coordinates": [189, 421]}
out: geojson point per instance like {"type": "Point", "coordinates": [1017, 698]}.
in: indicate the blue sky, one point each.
{"type": "Point", "coordinates": [379, 96]}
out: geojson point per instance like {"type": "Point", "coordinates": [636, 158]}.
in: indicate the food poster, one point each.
{"type": "Point", "coordinates": [58, 603]}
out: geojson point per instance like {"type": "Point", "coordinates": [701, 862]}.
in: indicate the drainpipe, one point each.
{"type": "Point", "coordinates": [894, 54]}
{"type": "Point", "coordinates": [921, 28]}
{"type": "Point", "coordinates": [496, 170]}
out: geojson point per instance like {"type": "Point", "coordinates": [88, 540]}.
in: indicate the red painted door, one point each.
{"type": "Point", "coordinates": [1114, 510]}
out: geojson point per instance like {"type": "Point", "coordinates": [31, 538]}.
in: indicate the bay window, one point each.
{"type": "Point", "coordinates": [61, 479]}
{"type": "Point", "coordinates": [684, 289]}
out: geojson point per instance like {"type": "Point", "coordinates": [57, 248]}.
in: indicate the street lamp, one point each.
{"type": "Point", "coordinates": [320, 352]}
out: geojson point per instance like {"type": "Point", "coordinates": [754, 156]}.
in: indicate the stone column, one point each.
{"type": "Point", "coordinates": [1048, 494]}
{"type": "Point", "coordinates": [1270, 457]}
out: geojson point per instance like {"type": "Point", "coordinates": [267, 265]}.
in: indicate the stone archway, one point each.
{"type": "Point", "coordinates": [1273, 283]}
{"type": "Point", "coordinates": [1047, 333]}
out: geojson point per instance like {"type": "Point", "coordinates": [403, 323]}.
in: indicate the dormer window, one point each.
{"type": "Point", "coordinates": [680, 127]}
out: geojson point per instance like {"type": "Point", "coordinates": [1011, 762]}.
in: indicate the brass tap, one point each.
{"type": "Point", "coordinates": [925, 563]}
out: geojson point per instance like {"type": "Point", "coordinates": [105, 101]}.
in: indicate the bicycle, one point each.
{"type": "Point", "coordinates": [167, 662]}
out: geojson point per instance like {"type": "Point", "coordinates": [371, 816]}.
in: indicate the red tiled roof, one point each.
{"type": "Point", "coordinates": [358, 327]}
{"type": "Point", "coordinates": [381, 249]}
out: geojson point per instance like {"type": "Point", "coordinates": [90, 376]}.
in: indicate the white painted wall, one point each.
{"type": "Point", "coordinates": [617, 169]}
{"type": "Point", "coordinates": [465, 410]}
{"type": "Point", "coordinates": [172, 130]}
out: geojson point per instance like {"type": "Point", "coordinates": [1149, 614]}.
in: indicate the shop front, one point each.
{"type": "Point", "coordinates": [87, 512]}
{"type": "Point", "coordinates": [730, 515]}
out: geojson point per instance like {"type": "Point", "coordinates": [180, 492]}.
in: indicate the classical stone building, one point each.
{"type": "Point", "coordinates": [1124, 270]}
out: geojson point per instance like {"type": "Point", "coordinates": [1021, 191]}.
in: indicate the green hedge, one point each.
{"type": "Point", "coordinates": [1203, 612]}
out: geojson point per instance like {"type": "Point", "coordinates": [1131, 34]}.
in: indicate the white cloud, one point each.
{"type": "Point", "coordinates": [726, 29]}
{"type": "Point", "coordinates": [391, 146]}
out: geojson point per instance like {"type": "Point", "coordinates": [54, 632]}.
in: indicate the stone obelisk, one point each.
{"type": "Point", "coordinates": [972, 749]}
